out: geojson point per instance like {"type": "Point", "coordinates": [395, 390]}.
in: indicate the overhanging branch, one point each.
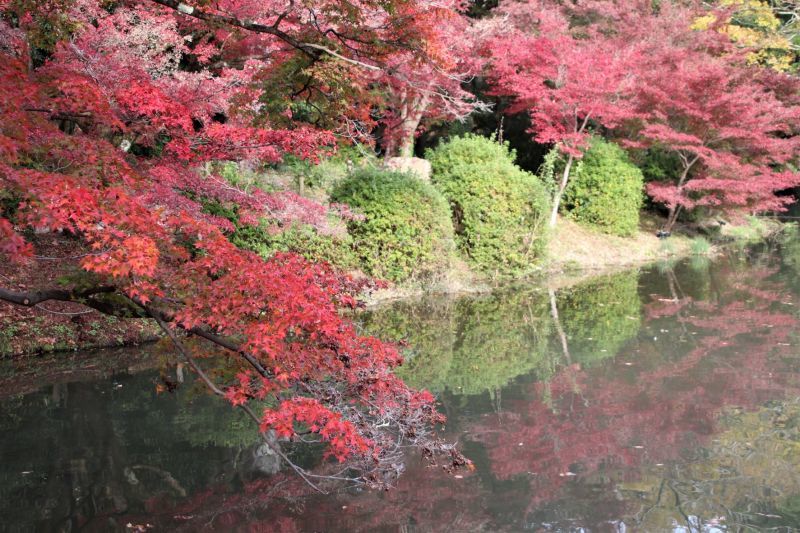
{"type": "Point", "coordinates": [29, 299]}
{"type": "Point", "coordinates": [249, 25]}
{"type": "Point", "coordinates": [103, 298]}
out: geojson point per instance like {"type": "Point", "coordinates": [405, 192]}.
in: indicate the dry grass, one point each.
{"type": "Point", "coordinates": [576, 247]}
{"type": "Point", "coordinates": [575, 253]}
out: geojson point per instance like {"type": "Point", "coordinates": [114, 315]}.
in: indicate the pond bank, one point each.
{"type": "Point", "coordinates": [577, 254]}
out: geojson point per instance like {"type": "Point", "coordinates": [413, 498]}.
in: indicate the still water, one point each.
{"type": "Point", "coordinates": [666, 399]}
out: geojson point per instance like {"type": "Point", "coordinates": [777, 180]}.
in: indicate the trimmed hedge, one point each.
{"type": "Point", "coordinates": [406, 231]}
{"type": "Point", "coordinates": [300, 239]}
{"type": "Point", "coordinates": [499, 210]}
{"type": "Point", "coordinates": [605, 190]}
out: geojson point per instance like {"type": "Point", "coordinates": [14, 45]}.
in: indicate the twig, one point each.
{"type": "Point", "coordinates": [64, 313]}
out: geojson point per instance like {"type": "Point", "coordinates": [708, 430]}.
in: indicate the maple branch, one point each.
{"type": "Point", "coordinates": [59, 115]}
{"type": "Point", "coordinates": [78, 296]}
{"type": "Point", "coordinates": [343, 58]}
{"type": "Point", "coordinates": [687, 166]}
{"type": "Point", "coordinates": [209, 336]}
{"type": "Point", "coordinates": [310, 49]}
{"type": "Point", "coordinates": [585, 122]}
{"type": "Point", "coordinates": [239, 23]}
{"type": "Point", "coordinates": [30, 299]}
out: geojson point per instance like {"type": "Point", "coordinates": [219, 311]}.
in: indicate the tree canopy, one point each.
{"type": "Point", "coordinates": [111, 116]}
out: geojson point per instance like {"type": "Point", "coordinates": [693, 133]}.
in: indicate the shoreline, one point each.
{"type": "Point", "coordinates": [577, 254]}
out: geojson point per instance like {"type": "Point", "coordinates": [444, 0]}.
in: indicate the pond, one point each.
{"type": "Point", "coordinates": [666, 399]}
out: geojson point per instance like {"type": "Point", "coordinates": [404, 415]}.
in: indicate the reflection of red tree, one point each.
{"type": "Point", "coordinates": [282, 503]}
{"type": "Point", "coordinates": [647, 411]}
{"type": "Point", "coordinates": [657, 400]}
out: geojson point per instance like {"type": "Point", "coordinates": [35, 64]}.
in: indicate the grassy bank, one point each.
{"type": "Point", "coordinates": [576, 252]}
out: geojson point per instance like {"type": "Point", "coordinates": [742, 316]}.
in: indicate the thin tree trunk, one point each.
{"type": "Point", "coordinates": [675, 210]}
{"type": "Point", "coordinates": [672, 218]}
{"type": "Point", "coordinates": [560, 192]}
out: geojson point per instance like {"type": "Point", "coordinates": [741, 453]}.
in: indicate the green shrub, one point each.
{"type": "Point", "coordinates": [328, 171]}
{"type": "Point", "coordinates": [406, 231]}
{"type": "Point", "coordinates": [499, 211]}
{"type": "Point", "coordinates": [336, 249]}
{"type": "Point", "coordinates": [264, 239]}
{"type": "Point", "coordinates": [658, 164]}
{"type": "Point", "coordinates": [605, 190]}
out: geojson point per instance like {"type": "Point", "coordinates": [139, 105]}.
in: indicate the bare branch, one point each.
{"type": "Point", "coordinates": [239, 23]}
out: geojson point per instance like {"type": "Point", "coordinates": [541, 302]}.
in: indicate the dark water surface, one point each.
{"type": "Point", "coordinates": [660, 400]}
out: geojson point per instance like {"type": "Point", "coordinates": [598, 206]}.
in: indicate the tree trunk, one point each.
{"type": "Point", "coordinates": [675, 210]}
{"type": "Point", "coordinates": [672, 218]}
{"type": "Point", "coordinates": [560, 192]}
{"type": "Point", "coordinates": [405, 144]}
{"type": "Point", "coordinates": [402, 143]}
{"type": "Point", "coordinates": [412, 109]}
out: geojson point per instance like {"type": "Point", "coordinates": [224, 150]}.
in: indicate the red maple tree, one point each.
{"type": "Point", "coordinates": [647, 75]}
{"type": "Point", "coordinates": [565, 76]}
{"type": "Point", "coordinates": [111, 114]}
{"type": "Point", "coordinates": [731, 125]}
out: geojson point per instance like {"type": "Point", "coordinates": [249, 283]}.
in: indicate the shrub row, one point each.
{"type": "Point", "coordinates": [478, 202]}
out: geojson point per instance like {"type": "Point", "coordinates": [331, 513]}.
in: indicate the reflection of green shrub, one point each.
{"type": "Point", "coordinates": [426, 329]}
{"type": "Point", "coordinates": [600, 316]}
{"type": "Point", "coordinates": [205, 421]}
{"type": "Point", "coordinates": [406, 230]}
{"type": "Point", "coordinates": [500, 337]}
{"type": "Point", "coordinates": [498, 209]}
{"type": "Point", "coordinates": [605, 190]}
{"type": "Point", "coordinates": [470, 346]}
{"type": "Point", "coordinates": [790, 247]}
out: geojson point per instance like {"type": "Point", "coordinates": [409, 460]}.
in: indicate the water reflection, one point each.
{"type": "Point", "coordinates": [472, 345]}
{"type": "Point", "coordinates": [667, 400]}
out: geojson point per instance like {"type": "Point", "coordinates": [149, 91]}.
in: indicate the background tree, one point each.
{"type": "Point", "coordinates": [764, 28]}
{"type": "Point", "coordinates": [732, 126]}
{"type": "Point", "coordinates": [432, 88]}
{"type": "Point", "coordinates": [566, 77]}
{"type": "Point", "coordinates": [646, 75]}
